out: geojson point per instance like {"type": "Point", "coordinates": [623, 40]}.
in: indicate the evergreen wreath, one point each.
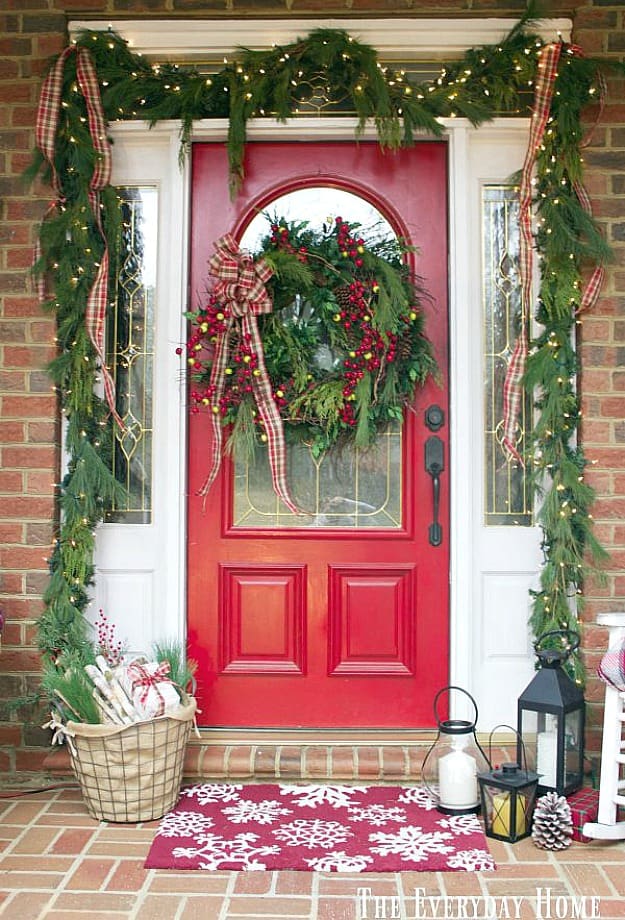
{"type": "Point", "coordinates": [344, 345]}
{"type": "Point", "coordinates": [483, 83]}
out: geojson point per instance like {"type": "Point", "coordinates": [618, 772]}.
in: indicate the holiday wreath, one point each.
{"type": "Point", "coordinates": [340, 336]}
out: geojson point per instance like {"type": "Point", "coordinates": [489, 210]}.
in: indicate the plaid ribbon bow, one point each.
{"type": "Point", "coordinates": [45, 134]}
{"type": "Point", "coordinates": [240, 287]}
{"type": "Point", "coordinates": [142, 679]}
{"type": "Point", "coordinates": [512, 388]}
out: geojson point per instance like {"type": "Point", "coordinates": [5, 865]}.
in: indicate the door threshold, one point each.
{"type": "Point", "coordinates": [331, 736]}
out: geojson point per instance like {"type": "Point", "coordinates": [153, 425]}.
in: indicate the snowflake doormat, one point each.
{"type": "Point", "coordinates": [316, 828]}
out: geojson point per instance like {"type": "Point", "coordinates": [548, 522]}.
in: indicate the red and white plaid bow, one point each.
{"type": "Point", "coordinates": [45, 133]}
{"type": "Point", "coordinates": [144, 680]}
{"type": "Point", "coordinates": [240, 287]}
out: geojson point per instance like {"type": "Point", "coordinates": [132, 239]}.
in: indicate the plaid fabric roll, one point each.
{"type": "Point", "coordinates": [612, 668]}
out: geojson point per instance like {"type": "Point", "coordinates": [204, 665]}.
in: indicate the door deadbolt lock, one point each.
{"type": "Point", "coordinates": [434, 417]}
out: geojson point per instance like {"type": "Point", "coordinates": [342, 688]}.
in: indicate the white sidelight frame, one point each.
{"type": "Point", "coordinates": [141, 568]}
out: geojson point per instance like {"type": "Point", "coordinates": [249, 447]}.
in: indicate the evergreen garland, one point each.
{"type": "Point", "coordinates": [483, 83]}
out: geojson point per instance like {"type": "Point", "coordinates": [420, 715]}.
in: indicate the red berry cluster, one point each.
{"type": "Point", "coordinates": [280, 239]}
{"type": "Point", "coordinates": [351, 247]}
{"type": "Point", "coordinates": [108, 645]}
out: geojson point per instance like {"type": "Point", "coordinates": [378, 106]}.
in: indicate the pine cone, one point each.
{"type": "Point", "coordinates": [553, 822]}
{"type": "Point", "coordinates": [342, 295]}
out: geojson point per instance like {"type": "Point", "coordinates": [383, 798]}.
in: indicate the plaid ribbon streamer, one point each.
{"type": "Point", "coordinates": [144, 680]}
{"type": "Point", "coordinates": [45, 134]}
{"type": "Point", "coordinates": [240, 287]}
{"type": "Point", "coordinates": [512, 388]}
{"type": "Point", "coordinates": [612, 668]}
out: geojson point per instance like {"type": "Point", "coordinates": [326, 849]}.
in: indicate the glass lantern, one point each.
{"type": "Point", "coordinates": [452, 763]}
{"type": "Point", "coordinates": [508, 795]}
{"type": "Point", "coordinates": [551, 719]}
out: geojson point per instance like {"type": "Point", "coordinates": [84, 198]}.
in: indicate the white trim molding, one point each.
{"type": "Point", "coordinates": [395, 39]}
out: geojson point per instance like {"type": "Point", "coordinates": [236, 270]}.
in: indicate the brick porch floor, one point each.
{"type": "Point", "coordinates": [57, 863]}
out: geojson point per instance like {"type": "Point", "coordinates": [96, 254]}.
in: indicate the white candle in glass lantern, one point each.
{"type": "Point", "coordinates": [457, 780]}
{"type": "Point", "coordinates": [547, 756]}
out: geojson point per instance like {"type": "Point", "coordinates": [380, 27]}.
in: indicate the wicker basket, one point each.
{"type": "Point", "coordinates": [130, 773]}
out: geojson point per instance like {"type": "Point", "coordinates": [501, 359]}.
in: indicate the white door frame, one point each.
{"type": "Point", "coordinates": [141, 569]}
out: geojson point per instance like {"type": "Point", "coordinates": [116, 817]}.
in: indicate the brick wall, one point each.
{"type": "Point", "coordinates": [600, 29]}
{"type": "Point", "coordinates": [31, 31]}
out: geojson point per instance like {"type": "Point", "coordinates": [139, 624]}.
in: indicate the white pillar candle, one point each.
{"type": "Point", "coordinates": [547, 757]}
{"type": "Point", "coordinates": [457, 780]}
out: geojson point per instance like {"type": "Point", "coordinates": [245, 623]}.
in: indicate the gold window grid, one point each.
{"type": "Point", "coordinates": [508, 496]}
{"type": "Point", "coordinates": [320, 517]}
{"type": "Point", "coordinates": [132, 454]}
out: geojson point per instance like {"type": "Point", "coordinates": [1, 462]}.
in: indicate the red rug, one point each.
{"type": "Point", "coordinates": [316, 828]}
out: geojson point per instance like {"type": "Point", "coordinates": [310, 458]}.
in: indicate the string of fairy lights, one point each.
{"type": "Point", "coordinates": [277, 83]}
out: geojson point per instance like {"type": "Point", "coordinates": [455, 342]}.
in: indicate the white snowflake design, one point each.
{"type": "Point", "coordinates": [311, 834]}
{"type": "Point", "coordinates": [217, 853]}
{"type": "Point", "coordinates": [472, 860]}
{"type": "Point", "coordinates": [266, 812]}
{"type": "Point", "coordinates": [461, 824]}
{"type": "Point", "coordinates": [184, 824]}
{"type": "Point", "coordinates": [418, 795]}
{"type": "Point", "coordinates": [377, 815]}
{"type": "Point", "coordinates": [311, 795]}
{"type": "Point", "coordinates": [213, 792]}
{"type": "Point", "coordinates": [339, 861]}
{"type": "Point", "coordinates": [411, 843]}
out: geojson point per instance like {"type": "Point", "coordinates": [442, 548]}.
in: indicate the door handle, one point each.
{"type": "Point", "coordinates": [434, 465]}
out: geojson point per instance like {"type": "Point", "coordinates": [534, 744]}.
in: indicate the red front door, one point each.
{"type": "Point", "coordinates": [325, 625]}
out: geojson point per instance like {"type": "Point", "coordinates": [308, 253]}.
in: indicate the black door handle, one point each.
{"type": "Point", "coordinates": [434, 465]}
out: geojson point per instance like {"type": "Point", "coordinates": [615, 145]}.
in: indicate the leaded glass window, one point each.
{"type": "Point", "coordinates": [508, 498]}
{"type": "Point", "coordinates": [345, 487]}
{"type": "Point", "coordinates": [130, 332]}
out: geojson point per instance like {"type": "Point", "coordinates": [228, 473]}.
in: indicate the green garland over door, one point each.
{"type": "Point", "coordinates": [84, 227]}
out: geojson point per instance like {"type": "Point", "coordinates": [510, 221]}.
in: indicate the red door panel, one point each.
{"type": "Point", "coordinates": [299, 627]}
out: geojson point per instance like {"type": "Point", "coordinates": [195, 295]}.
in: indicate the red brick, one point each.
{"type": "Point", "coordinates": [43, 332]}
{"type": "Point", "coordinates": [21, 306]}
{"type": "Point", "coordinates": [240, 761]}
{"type": "Point", "coordinates": [213, 760]}
{"type": "Point", "coordinates": [368, 762]}
{"type": "Point", "coordinates": [11, 432]}
{"type": "Point", "coordinates": [11, 583]}
{"type": "Point", "coordinates": [41, 482]}
{"type": "Point", "coordinates": [23, 508]}
{"type": "Point", "coordinates": [11, 533]}
{"type": "Point", "coordinates": [10, 481]}
{"type": "Point", "coordinates": [19, 258]}
{"type": "Point", "coordinates": [28, 406]}
{"type": "Point", "coordinates": [40, 458]}
{"type": "Point", "coordinates": [343, 763]}
{"type": "Point", "coordinates": [30, 761]}
{"type": "Point", "coordinates": [20, 660]}
{"type": "Point", "coordinates": [394, 762]}
{"type": "Point", "coordinates": [316, 761]}
{"type": "Point", "coordinates": [10, 733]}
{"type": "Point", "coordinates": [23, 356]}
{"type": "Point", "coordinates": [22, 557]}
{"type": "Point", "coordinates": [42, 432]}
{"type": "Point", "coordinates": [90, 874]}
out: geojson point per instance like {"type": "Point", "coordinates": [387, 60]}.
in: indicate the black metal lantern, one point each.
{"type": "Point", "coordinates": [508, 795]}
{"type": "Point", "coordinates": [453, 761]}
{"type": "Point", "coordinates": [551, 719]}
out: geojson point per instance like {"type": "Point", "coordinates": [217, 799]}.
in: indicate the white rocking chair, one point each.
{"type": "Point", "coordinates": [611, 786]}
